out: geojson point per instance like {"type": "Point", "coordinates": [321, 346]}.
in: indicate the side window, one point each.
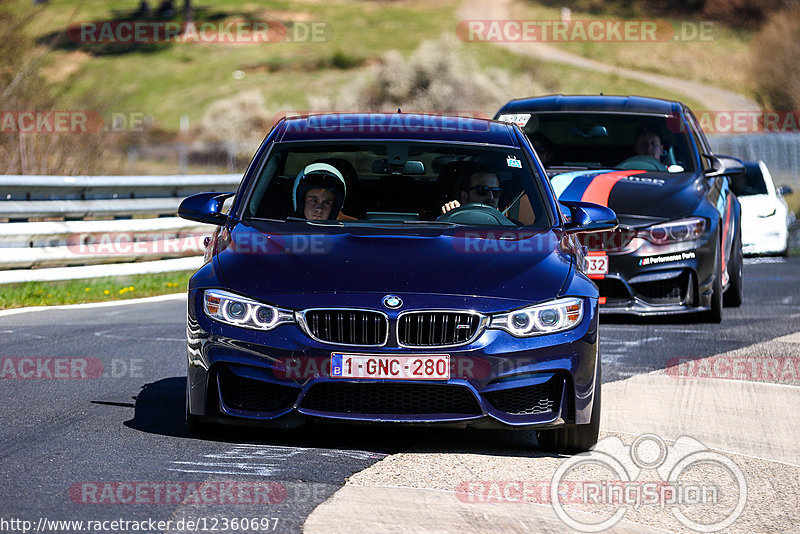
{"type": "Point", "coordinates": [700, 140]}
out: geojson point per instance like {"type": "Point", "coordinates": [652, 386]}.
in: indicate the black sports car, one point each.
{"type": "Point", "coordinates": [678, 247]}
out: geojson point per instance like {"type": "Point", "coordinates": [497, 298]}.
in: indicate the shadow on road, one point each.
{"type": "Point", "coordinates": [159, 409]}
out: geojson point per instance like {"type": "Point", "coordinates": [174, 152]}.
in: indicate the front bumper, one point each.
{"type": "Point", "coordinates": [282, 377]}
{"type": "Point", "coordinates": [676, 281]}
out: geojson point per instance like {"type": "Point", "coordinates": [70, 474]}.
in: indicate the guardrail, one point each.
{"type": "Point", "coordinates": [58, 225]}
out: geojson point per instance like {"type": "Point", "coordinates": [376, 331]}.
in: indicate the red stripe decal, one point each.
{"type": "Point", "coordinates": [600, 188]}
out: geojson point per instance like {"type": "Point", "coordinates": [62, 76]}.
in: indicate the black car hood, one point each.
{"type": "Point", "coordinates": [263, 259]}
{"type": "Point", "coordinates": [639, 198]}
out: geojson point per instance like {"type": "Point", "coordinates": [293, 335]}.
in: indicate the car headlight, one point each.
{"type": "Point", "coordinates": [240, 311]}
{"type": "Point", "coordinates": [674, 231]}
{"type": "Point", "coordinates": [548, 318]}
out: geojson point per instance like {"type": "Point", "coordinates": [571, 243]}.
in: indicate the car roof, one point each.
{"type": "Point", "coordinates": [395, 126]}
{"type": "Point", "coordinates": [597, 103]}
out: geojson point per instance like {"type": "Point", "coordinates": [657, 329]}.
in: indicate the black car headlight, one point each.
{"type": "Point", "coordinates": [674, 231]}
{"type": "Point", "coordinates": [547, 318]}
{"type": "Point", "coordinates": [240, 311]}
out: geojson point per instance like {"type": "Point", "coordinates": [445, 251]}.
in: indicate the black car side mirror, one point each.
{"type": "Point", "coordinates": [588, 217]}
{"type": "Point", "coordinates": [785, 190]}
{"type": "Point", "coordinates": [724, 166]}
{"type": "Point", "coordinates": [205, 208]}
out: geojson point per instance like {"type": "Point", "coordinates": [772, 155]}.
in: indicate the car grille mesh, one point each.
{"type": "Point", "coordinates": [528, 400]}
{"type": "Point", "coordinates": [426, 329]}
{"type": "Point", "coordinates": [347, 327]}
{"type": "Point", "coordinates": [398, 399]}
{"type": "Point", "coordinates": [252, 395]}
{"type": "Point", "coordinates": [672, 289]}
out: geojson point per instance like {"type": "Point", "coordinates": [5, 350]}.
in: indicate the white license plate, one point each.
{"type": "Point", "coordinates": [598, 264]}
{"type": "Point", "coordinates": [419, 367]}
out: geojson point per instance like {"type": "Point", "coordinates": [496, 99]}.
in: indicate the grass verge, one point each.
{"type": "Point", "coordinates": [92, 290]}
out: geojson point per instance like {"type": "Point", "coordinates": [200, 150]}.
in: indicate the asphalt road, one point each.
{"type": "Point", "coordinates": [111, 446]}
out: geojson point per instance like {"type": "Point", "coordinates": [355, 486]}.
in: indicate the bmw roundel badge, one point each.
{"type": "Point", "coordinates": [392, 302]}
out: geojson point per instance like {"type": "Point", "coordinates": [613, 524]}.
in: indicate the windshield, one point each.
{"type": "Point", "coordinates": [609, 141]}
{"type": "Point", "coordinates": [397, 183]}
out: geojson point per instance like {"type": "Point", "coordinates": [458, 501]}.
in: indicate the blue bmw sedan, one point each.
{"type": "Point", "coordinates": [396, 269]}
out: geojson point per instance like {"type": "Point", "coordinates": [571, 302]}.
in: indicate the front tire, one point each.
{"type": "Point", "coordinates": [193, 424]}
{"type": "Point", "coordinates": [714, 315]}
{"type": "Point", "coordinates": [734, 295]}
{"type": "Point", "coordinates": [576, 438]}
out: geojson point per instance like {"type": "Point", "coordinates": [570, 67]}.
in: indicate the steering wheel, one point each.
{"type": "Point", "coordinates": [475, 213]}
{"type": "Point", "coordinates": [642, 162]}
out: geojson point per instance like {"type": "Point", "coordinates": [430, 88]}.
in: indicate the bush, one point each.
{"type": "Point", "coordinates": [241, 119]}
{"type": "Point", "coordinates": [436, 78]}
{"type": "Point", "coordinates": [774, 62]}
{"type": "Point", "coordinates": [742, 13]}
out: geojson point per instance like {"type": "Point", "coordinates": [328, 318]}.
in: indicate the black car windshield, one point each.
{"type": "Point", "coordinates": [609, 140]}
{"type": "Point", "coordinates": [750, 183]}
{"type": "Point", "coordinates": [398, 183]}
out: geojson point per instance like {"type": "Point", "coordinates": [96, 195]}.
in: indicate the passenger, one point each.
{"type": "Point", "coordinates": [477, 184]}
{"type": "Point", "coordinates": [319, 192]}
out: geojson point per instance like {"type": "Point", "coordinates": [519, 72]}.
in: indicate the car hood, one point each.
{"type": "Point", "coordinates": [262, 260]}
{"type": "Point", "coordinates": [639, 198]}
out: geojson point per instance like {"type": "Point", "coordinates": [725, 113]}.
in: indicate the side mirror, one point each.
{"type": "Point", "coordinates": [588, 217]}
{"type": "Point", "coordinates": [205, 208]}
{"type": "Point", "coordinates": [724, 166]}
{"type": "Point", "coordinates": [785, 190]}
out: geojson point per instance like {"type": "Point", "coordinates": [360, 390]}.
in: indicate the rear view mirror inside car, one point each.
{"type": "Point", "coordinates": [382, 166]}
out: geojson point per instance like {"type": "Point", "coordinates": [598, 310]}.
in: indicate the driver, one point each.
{"type": "Point", "coordinates": [649, 149]}
{"type": "Point", "coordinates": [648, 143]}
{"type": "Point", "coordinates": [319, 192]}
{"type": "Point", "coordinates": [477, 183]}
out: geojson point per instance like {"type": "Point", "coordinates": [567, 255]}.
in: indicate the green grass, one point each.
{"type": "Point", "coordinates": [722, 61]}
{"type": "Point", "coordinates": [92, 290]}
{"type": "Point", "coordinates": [185, 78]}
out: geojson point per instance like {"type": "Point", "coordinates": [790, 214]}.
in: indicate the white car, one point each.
{"type": "Point", "coordinates": [765, 216]}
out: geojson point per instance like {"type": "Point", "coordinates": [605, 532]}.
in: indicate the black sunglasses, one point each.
{"type": "Point", "coordinates": [484, 190]}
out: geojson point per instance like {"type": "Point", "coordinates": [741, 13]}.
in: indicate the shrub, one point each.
{"type": "Point", "coordinates": [241, 120]}
{"type": "Point", "coordinates": [775, 50]}
{"type": "Point", "coordinates": [437, 77]}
